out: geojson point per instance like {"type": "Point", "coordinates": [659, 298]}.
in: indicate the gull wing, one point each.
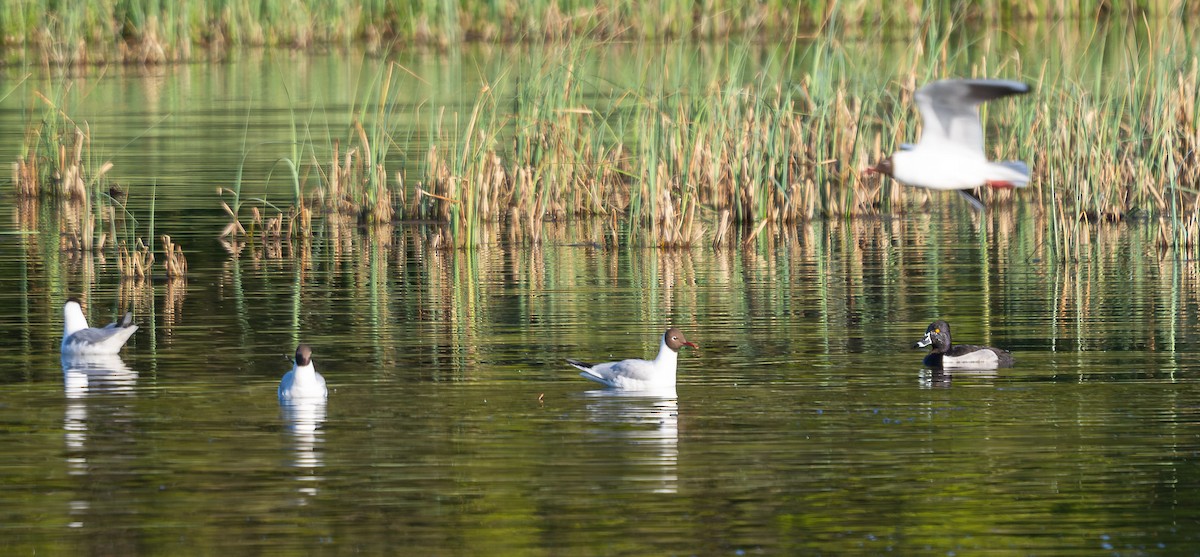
{"type": "Point", "coordinates": [614, 374]}
{"type": "Point", "coordinates": [950, 108]}
{"type": "Point", "coordinates": [95, 336]}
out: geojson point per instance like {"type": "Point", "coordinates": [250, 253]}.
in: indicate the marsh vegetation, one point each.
{"type": "Point", "coordinates": [726, 144]}
{"type": "Point", "coordinates": [146, 31]}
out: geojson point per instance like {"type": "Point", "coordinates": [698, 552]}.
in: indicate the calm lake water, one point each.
{"type": "Point", "coordinates": [804, 424]}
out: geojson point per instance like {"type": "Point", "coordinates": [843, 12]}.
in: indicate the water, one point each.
{"type": "Point", "coordinates": [804, 424]}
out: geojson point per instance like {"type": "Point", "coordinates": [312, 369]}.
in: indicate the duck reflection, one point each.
{"type": "Point", "coordinates": [89, 383]}
{"type": "Point", "coordinates": [649, 422]}
{"type": "Point", "coordinates": [941, 379]}
{"type": "Point", "coordinates": [933, 379]}
{"type": "Point", "coordinates": [303, 420]}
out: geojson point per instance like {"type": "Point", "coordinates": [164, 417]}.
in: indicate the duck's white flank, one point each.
{"type": "Point", "coordinates": [983, 358]}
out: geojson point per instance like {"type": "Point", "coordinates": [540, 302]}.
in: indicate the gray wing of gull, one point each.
{"type": "Point", "coordinates": [950, 108]}
{"type": "Point", "coordinates": [641, 370]}
{"type": "Point", "coordinates": [609, 372]}
{"type": "Point", "coordinates": [93, 335]}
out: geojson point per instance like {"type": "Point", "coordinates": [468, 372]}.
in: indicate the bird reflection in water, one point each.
{"type": "Point", "coordinates": [649, 422]}
{"type": "Point", "coordinates": [85, 376]}
{"type": "Point", "coordinates": [942, 379]}
{"type": "Point", "coordinates": [102, 386]}
{"type": "Point", "coordinates": [303, 420]}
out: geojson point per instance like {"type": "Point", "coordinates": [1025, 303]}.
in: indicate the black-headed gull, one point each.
{"type": "Point", "coordinates": [962, 356]}
{"type": "Point", "coordinates": [640, 375]}
{"type": "Point", "coordinates": [80, 339]}
{"type": "Point", "coordinates": [950, 154]}
{"type": "Point", "coordinates": [303, 381]}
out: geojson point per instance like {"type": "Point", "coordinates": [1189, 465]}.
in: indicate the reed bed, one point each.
{"type": "Point", "coordinates": [146, 31]}
{"type": "Point", "coordinates": [682, 161]}
{"type": "Point", "coordinates": [346, 177]}
{"type": "Point", "coordinates": [670, 168]}
{"type": "Point", "coordinates": [57, 167]}
{"type": "Point", "coordinates": [737, 155]}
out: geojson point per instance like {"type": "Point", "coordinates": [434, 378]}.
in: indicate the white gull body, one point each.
{"type": "Point", "coordinates": [636, 374]}
{"type": "Point", "coordinates": [302, 382]}
{"type": "Point", "coordinates": [950, 154]}
{"type": "Point", "coordinates": [80, 340]}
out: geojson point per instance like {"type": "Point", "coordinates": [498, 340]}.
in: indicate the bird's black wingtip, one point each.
{"type": "Point", "coordinates": [579, 364]}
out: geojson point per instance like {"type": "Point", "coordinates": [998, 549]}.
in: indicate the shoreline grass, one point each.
{"type": "Point", "coordinates": [682, 159]}
{"type": "Point", "coordinates": [685, 160]}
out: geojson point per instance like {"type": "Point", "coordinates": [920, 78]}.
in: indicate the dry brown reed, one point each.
{"type": "Point", "coordinates": [68, 168]}
{"type": "Point", "coordinates": [174, 263]}
{"type": "Point", "coordinates": [136, 262]}
{"type": "Point", "coordinates": [758, 158]}
{"type": "Point", "coordinates": [25, 177]}
{"type": "Point", "coordinates": [355, 185]}
{"type": "Point", "coordinates": [234, 229]}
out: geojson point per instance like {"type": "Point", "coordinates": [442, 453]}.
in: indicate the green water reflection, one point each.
{"type": "Point", "coordinates": [804, 424]}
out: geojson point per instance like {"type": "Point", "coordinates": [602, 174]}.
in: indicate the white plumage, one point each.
{"type": "Point", "coordinates": [636, 374]}
{"type": "Point", "coordinates": [303, 381]}
{"type": "Point", "coordinates": [950, 154]}
{"type": "Point", "coordinates": [80, 339]}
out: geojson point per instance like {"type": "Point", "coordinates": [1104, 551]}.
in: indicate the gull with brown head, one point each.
{"type": "Point", "coordinates": [636, 374]}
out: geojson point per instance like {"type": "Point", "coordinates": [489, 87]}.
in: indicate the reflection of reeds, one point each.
{"type": "Point", "coordinates": [172, 306]}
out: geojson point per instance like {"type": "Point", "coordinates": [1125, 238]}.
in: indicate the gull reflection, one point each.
{"type": "Point", "coordinates": [84, 377]}
{"type": "Point", "coordinates": [303, 419]}
{"type": "Point", "coordinates": [649, 422]}
{"type": "Point", "coordinates": [96, 373]}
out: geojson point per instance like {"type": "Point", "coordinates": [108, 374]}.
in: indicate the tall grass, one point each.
{"type": "Point", "coordinates": [669, 160]}
{"type": "Point", "coordinates": [679, 157]}
{"type": "Point", "coordinates": [340, 169]}
{"type": "Point", "coordinates": [149, 31]}
{"type": "Point", "coordinates": [59, 168]}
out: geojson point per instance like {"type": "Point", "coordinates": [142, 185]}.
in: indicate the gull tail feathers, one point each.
{"type": "Point", "coordinates": [588, 372]}
{"type": "Point", "coordinates": [1014, 173]}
